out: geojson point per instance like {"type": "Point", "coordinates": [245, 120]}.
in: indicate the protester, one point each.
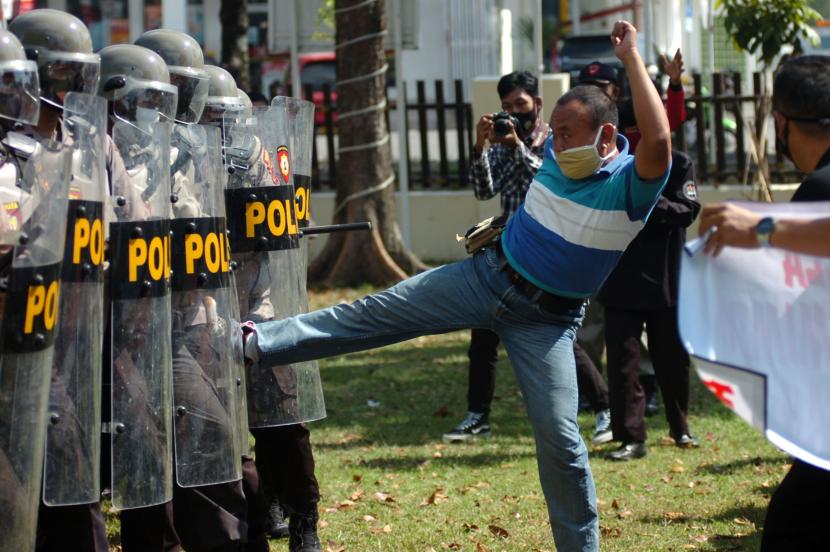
{"type": "Point", "coordinates": [801, 103]}
{"type": "Point", "coordinates": [507, 168]}
{"type": "Point", "coordinates": [532, 287]}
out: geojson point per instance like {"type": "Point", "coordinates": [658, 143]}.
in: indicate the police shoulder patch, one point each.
{"type": "Point", "coordinates": [690, 190]}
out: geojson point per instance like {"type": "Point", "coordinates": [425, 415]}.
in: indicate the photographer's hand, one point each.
{"type": "Point", "coordinates": [511, 139]}
{"type": "Point", "coordinates": [484, 130]}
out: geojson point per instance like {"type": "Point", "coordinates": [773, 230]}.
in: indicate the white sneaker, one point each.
{"type": "Point", "coordinates": [602, 428]}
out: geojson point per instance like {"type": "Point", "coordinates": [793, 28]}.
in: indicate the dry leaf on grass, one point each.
{"type": "Point", "coordinates": [383, 497]}
{"type": "Point", "coordinates": [624, 514]}
{"type": "Point", "coordinates": [332, 546]}
{"type": "Point", "coordinates": [436, 497]}
{"type": "Point", "coordinates": [356, 495]}
{"type": "Point", "coordinates": [357, 477]}
{"type": "Point", "coordinates": [481, 548]}
{"type": "Point", "coordinates": [610, 531]}
{"type": "Point", "coordinates": [498, 531]}
{"type": "Point", "coordinates": [674, 516]}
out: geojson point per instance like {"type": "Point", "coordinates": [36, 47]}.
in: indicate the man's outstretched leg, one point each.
{"type": "Point", "coordinates": [451, 297]}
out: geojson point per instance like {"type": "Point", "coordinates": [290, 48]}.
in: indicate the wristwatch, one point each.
{"type": "Point", "coordinates": [764, 230]}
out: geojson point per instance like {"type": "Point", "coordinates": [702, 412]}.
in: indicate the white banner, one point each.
{"type": "Point", "coordinates": [757, 322]}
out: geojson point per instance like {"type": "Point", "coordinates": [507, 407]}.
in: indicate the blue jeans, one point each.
{"type": "Point", "coordinates": [473, 293]}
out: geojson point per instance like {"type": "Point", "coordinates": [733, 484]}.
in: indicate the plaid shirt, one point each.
{"type": "Point", "coordinates": [509, 171]}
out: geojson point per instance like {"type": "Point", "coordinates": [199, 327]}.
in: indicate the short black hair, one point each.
{"type": "Point", "coordinates": [802, 92]}
{"type": "Point", "coordinates": [601, 107]}
{"type": "Point", "coordinates": [257, 97]}
{"type": "Point", "coordinates": [525, 80]}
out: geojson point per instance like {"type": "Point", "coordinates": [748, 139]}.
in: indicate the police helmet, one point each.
{"type": "Point", "coordinates": [136, 83]}
{"type": "Point", "coordinates": [19, 83]}
{"type": "Point", "coordinates": [61, 46]}
{"type": "Point", "coordinates": [223, 99]}
{"type": "Point", "coordinates": [186, 62]}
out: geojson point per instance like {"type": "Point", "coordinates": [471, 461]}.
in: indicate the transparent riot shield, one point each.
{"type": "Point", "coordinates": [239, 364]}
{"type": "Point", "coordinates": [141, 366]}
{"type": "Point", "coordinates": [287, 394]}
{"type": "Point", "coordinates": [205, 360]}
{"type": "Point", "coordinates": [73, 437]}
{"type": "Point", "coordinates": [30, 316]}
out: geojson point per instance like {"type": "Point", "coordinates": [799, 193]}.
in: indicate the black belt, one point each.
{"type": "Point", "coordinates": [549, 302]}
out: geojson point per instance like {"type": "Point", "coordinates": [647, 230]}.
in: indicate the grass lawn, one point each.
{"type": "Point", "coordinates": [389, 483]}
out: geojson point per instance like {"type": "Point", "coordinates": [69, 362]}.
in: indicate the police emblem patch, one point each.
{"type": "Point", "coordinates": [283, 162]}
{"type": "Point", "coordinates": [690, 190]}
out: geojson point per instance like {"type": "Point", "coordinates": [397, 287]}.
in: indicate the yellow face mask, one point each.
{"type": "Point", "coordinates": [582, 161]}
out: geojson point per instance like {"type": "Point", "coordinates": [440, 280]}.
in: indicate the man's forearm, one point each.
{"type": "Point", "coordinates": [654, 149]}
{"type": "Point", "coordinates": [811, 237]}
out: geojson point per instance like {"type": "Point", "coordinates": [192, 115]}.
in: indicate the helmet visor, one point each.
{"type": "Point", "coordinates": [19, 91]}
{"type": "Point", "coordinates": [193, 85]}
{"type": "Point", "coordinates": [135, 101]}
{"type": "Point", "coordinates": [219, 108]}
{"type": "Point", "coordinates": [62, 72]}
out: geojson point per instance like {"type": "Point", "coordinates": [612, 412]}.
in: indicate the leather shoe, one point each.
{"type": "Point", "coordinates": [629, 451]}
{"type": "Point", "coordinates": [686, 441]}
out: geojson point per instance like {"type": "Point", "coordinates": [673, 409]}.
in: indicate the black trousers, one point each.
{"type": "Point", "coordinates": [285, 463]}
{"type": "Point", "coordinates": [80, 527]}
{"type": "Point", "coordinates": [623, 329]}
{"type": "Point", "coordinates": [798, 511]}
{"type": "Point", "coordinates": [483, 354]}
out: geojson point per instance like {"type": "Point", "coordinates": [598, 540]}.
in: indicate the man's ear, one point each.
{"type": "Point", "coordinates": [608, 137]}
{"type": "Point", "coordinates": [780, 124]}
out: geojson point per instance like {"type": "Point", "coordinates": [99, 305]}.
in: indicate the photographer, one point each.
{"type": "Point", "coordinates": [517, 136]}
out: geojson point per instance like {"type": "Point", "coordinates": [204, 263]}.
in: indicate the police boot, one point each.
{"type": "Point", "coordinates": [302, 533]}
{"type": "Point", "coordinates": [275, 524]}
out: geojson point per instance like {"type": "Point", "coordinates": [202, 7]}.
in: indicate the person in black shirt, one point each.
{"type": "Point", "coordinates": [801, 107]}
{"type": "Point", "coordinates": [801, 103]}
{"type": "Point", "coordinates": [643, 290]}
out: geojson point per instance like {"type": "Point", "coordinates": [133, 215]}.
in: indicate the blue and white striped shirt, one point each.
{"type": "Point", "coordinates": [568, 235]}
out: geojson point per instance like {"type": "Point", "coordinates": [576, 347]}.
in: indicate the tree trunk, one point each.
{"type": "Point", "coordinates": [234, 18]}
{"type": "Point", "coordinates": [377, 257]}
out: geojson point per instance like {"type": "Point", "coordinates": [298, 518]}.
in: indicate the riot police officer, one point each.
{"type": "Point", "coordinates": [61, 47]}
{"type": "Point", "coordinates": [209, 503]}
{"type": "Point", "coordinates": [141, 104]}
{"type": "Point", "coordinates": [34, 187]}
{"type": "Point", "coordinates": [267, 284]}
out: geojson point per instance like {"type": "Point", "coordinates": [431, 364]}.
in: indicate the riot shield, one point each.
{"type": "Point", "coordinates": [141, 366]}
{"type": "Point", "coordinates": [265, 220]}
{"type": "Point", "coordinates": [205, 365]}
{"type": "Point", "coordinates": [73, 439]}
{"type": "Point", "coordinates": [238, 362]}
{"type": "Point", "coordinates": [30, 314]}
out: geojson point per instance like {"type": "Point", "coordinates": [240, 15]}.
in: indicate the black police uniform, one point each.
{"type": "Point", "coordinates": [801, 504]}
{"type": "Point", "coordinates": [643, 290]}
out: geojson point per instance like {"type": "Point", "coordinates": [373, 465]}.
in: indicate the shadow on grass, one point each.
{"type": "Point", "coordinates": [740, 464]}
{"type": "Point", "coordinates": [412, 463]}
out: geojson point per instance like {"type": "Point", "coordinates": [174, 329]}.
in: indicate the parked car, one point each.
{"type": "Point", "coordinates": [316, 69]}
{"type": "Point", "coordinates": [579, 51]}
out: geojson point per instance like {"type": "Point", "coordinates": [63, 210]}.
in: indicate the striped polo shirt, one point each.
{"type": "Point", "coordinates": [569, 234]}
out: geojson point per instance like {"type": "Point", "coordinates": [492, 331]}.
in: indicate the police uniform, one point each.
{"type": "Point", "coordinates": [642, 289]}
{"type": "Point", "coordinates": [284, 458]}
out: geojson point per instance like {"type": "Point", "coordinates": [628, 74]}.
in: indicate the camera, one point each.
{"type": "Point", "coordinates": [500, 126]}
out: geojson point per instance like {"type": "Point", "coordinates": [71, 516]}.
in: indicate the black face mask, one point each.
{"type": "Point", "coordinates": [527, 122]}
{"type": "Point", "coordinates": [781, 145]}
